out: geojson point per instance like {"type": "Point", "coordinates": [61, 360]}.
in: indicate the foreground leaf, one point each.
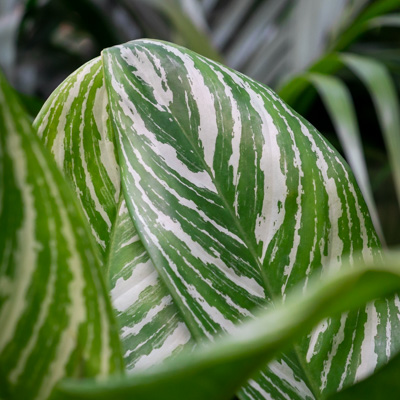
{"type": "Point", "coordinates": [215, 370]}
{"type": "Point", "coordinates": [55, 315]}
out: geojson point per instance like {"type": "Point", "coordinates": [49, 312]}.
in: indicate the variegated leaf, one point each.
{"type": "Point", "coordinates": [151, 327]}
{"type": "Point", "coordinates": [74, 125]}
{"type": "Point", "coordinates": [55, 315]}
{"type": "Point", "coordinates": [237, 198]}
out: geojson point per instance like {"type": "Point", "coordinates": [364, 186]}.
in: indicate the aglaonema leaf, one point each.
{"type": "Point", "coordinates": [236, 199]}
{"type": "Point", "coordinates": [215, 370]}
{"type": "Point", "coordinates": [75, 126]}
{"type": "Point", "coordinates": [151, 327]}
{"type": "Point", "coordinates": [55, 315]}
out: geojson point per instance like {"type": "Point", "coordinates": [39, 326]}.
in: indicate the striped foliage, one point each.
{"type": "Point", "coordinates": [235, 199]}
{"type": "Point", "coordinates": [55, 315]}
{"type": "Point", "coordinates": [151, 327]}
{"type": "Point", "coordinates": [74, 125]}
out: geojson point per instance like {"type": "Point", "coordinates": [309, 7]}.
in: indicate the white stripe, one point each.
{"type": "Point", "coordinates": [314, 336]}
{"type": "Point", "coordinates": [179, 337]}
{"type": "Point", "coordinates": [106, 145]}
{"type": "Point", "coordinates": [127, 292]}
{"type": "Point", "coordinates": [369, 359]}
{"type": "Point", "coordinates": [83, 154]}
{"type": "Point", "coordinates": [336, 342]}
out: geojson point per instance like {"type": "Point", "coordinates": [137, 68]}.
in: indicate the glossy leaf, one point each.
{"type": "Point", "coordinates": [237, 199]}
{"type": "Point", "coordinates": [215, 370]}
{"type": "Point", "coordinates": [55, 314]}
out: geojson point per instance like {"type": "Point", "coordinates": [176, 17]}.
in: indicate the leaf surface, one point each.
{"type": "Point", "coordinates": [75, 126]}
{"type": "Point", "coordinates": [55, 315]}
{"type": "Point", "coordinates": [151, 327]}
{"type": "Point", "coordinates": [237, 199]}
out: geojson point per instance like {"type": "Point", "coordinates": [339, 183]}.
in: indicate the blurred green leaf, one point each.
{"type": "Point", "coordinates": [215, 370]}
{"type": "Point", "coordinates": [339, 104]}
{"type": "Point", "coordinates": [382, 89]}
{"type": "Point", "coordinates": [189, 34]}
{"type": "Point", "coordinates": [390, 20]}
{"type": "Point", "coordinates": [53, 300]}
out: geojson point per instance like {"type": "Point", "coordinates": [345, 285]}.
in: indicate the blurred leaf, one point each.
{"type": "Point", "coordinates": [215, 370]}
{"type": "Point", "coordinates": [390, 20]}
{"type": "Point", "coordinates": [361, 23]}
{"type": "Point", "coordinates": [190, 35]}
{"type": "Point", "coordinates": [383, 93]}
{"type": "Point", "coordinates": [339, 104]}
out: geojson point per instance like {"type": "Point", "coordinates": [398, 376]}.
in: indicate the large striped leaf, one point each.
{"type": "Point", "coordinates": [55, 315]}
{"type": "Point", "coordinates": [74, 125]}
{"type": "Point", "coordinates": [151, 327]}
{"type": "Point", "coordinates": [237, 199]}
